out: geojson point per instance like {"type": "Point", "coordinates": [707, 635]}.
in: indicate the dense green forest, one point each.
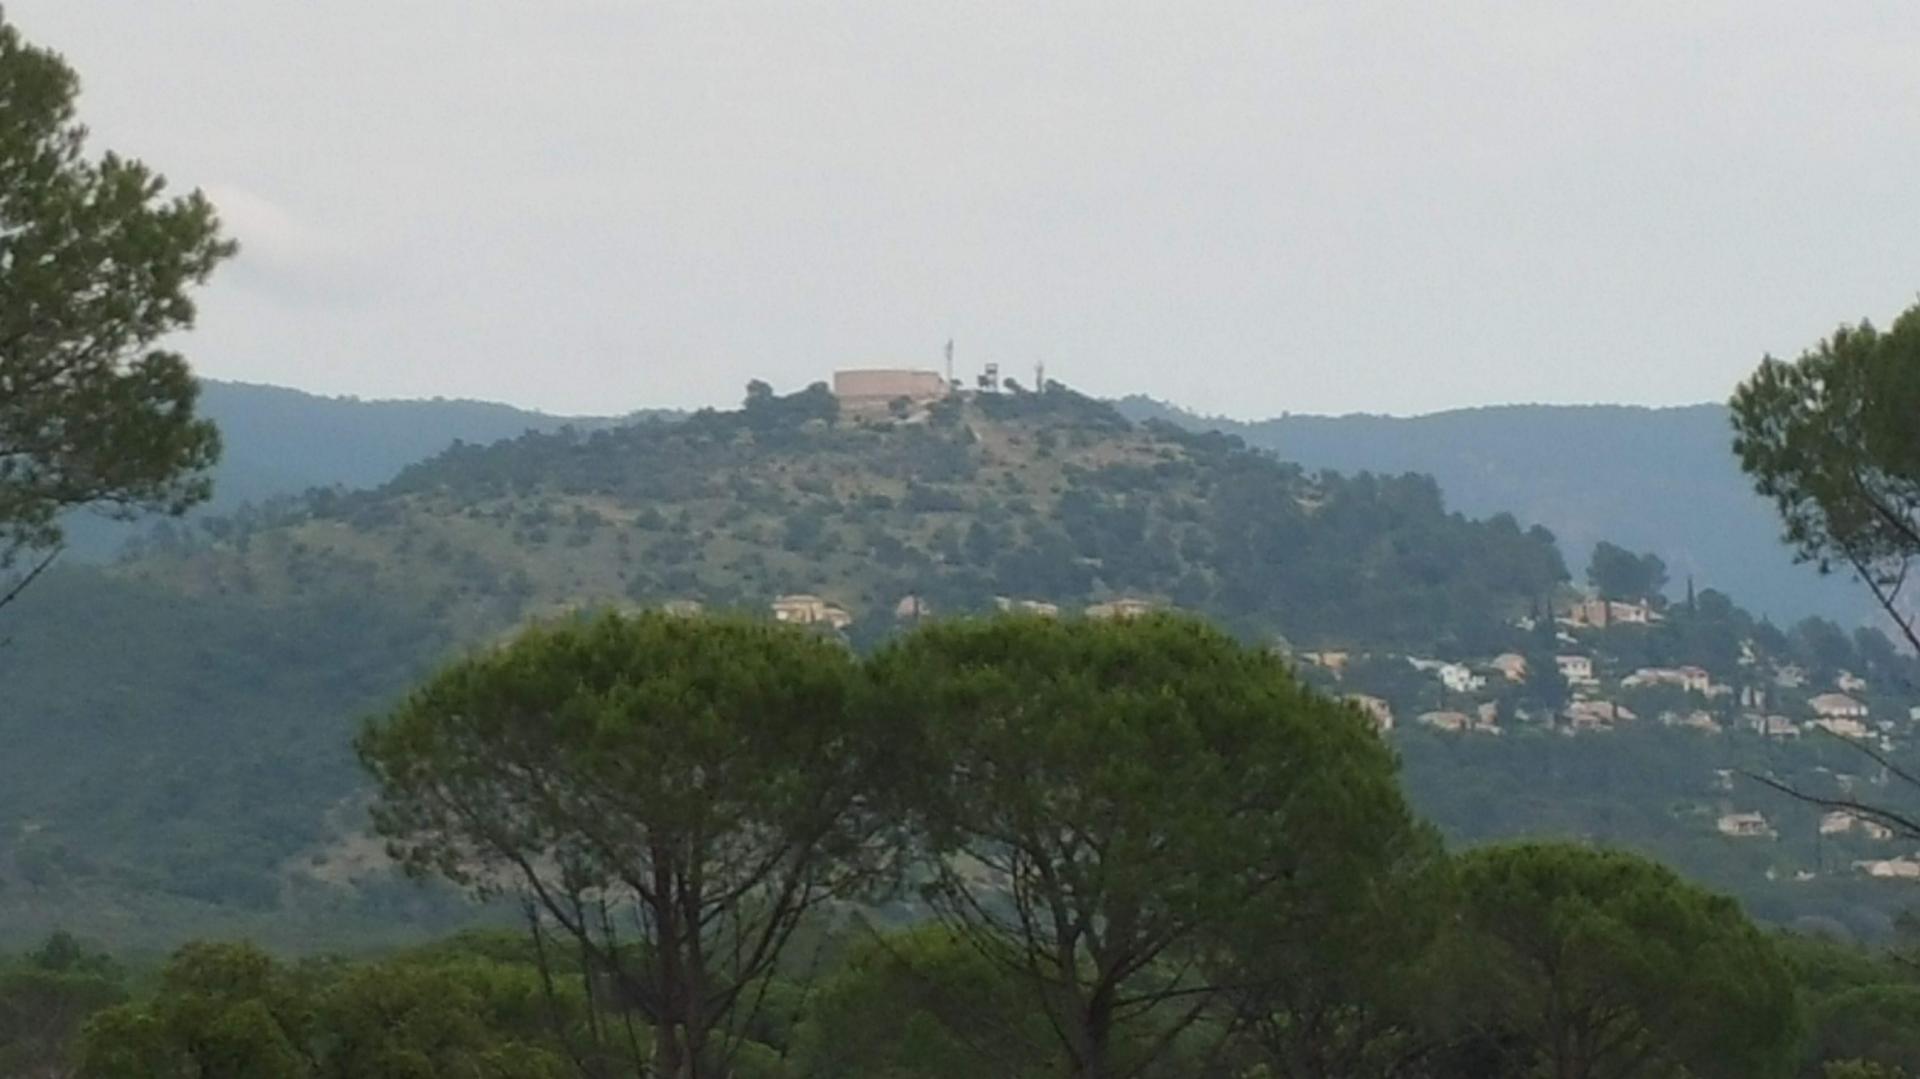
{"type": "Point", "coordinates": [1654, 479]}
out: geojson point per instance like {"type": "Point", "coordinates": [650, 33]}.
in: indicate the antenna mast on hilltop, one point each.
{"type": "Point", "coordinates": [949, 361]}
{"type": "Point", "coordinates": [1040, 377]}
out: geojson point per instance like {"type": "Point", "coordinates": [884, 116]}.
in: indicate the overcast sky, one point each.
{"type": "Point", "coordinates": [599, 205]}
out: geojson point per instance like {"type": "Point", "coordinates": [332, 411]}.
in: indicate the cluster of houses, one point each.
{"type": "Point", "coordinates": [1836, 824]}
{"type": "Point", "coordinates": [807, 609]}
{"type": "Point", "coordinates": [1777, 704]}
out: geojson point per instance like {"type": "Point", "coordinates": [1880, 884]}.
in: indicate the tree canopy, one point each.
{"type": "Point", "coordinates": [1603, 965]}
{"type": "Point", "coordinates": [96, 265]}
{"type": "Point", "coordinates": [1100, 801]}
{"type": "Point", "coordinates": [1617, 573]}
{"type": "Point", "coordinates": [669, 796]}
{"type": "Point", "coordinates": [1831, 438]}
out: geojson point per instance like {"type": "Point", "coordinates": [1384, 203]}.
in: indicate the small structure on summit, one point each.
{"type": "Point", "coordinates": [874, 390]}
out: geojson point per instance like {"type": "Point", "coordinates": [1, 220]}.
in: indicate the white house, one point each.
{"type": "Point", "coordinates": [1577, 670]}
{"type": "Point", "coordinates": [1459, 678]}
{"type": "Point", "coordinates": [1837, 706]}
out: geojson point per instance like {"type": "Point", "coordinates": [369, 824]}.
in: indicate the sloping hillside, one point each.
{"type": "Point", "coordinates": [177, 727]}
{"type": "Point", "coordinates": [1657, 479]}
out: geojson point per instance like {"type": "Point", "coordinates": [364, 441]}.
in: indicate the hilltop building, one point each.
{"type": "Point", "coordinates": [874, 390]}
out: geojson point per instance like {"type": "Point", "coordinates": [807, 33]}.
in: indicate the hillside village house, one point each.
{"type": "Point", "coordinates": [1027, 606]}
{"type": "Point", "coordinates": [1842, 726]}
{"type": "Point", "coordinates": [1745, 826]}
{"type": "Point", "coordinates": [1511, 665]}
{"type": "Point", "coordinates": [1902, 868]}
{"type": "Point", "coordinates": [1691, 679]}
{"type": "Point", "coordinates": [1596, 715]}
{"type": "Point", "coordinates": [801, 609]}
{"type": "Point", "coordinates": [1376, 709]}
{"type": "Point", "coordinates": [1332, 661]}
{"type": "Point", "coordinates": [1599, 613]}
{"type": "Point", "coordinates": [1577, 670]}
{"type": "Point", "coordinates": [682, 608]}
{"type": "Point", "coordinates": [912, 608]}
{"type": "Point", "coordinates": [1695, 720]}
{"type": "Point", "coordinates": [1120, 608]}
{"type": "Point", "coordinates": [1840, 822]}
{"type": "Point", "coordinates": [1774, 726]}
{"type": "Point", "coordinates": [1459, 678]}
{"type": "Point", "coordinates": [1837, 706]}
{"type": "Point", "coordinates": [1849, 682]}
{"type": "Point", "coordinates": [1446, 721]}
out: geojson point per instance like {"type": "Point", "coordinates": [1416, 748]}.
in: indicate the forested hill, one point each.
{"type": "Point", "coordinates": [178, 726]}
{"type": "Point", "coordinates": [1050, 498]}
{"type": "Point", "coordinates": [1657, 479]}
{"type": "Point", "coordinates": [1662, 480]}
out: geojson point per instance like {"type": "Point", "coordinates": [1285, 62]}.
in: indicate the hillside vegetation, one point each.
{"type": "Point", "coordinates": [178, 724]}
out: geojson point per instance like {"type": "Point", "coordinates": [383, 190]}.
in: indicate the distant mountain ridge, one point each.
{"type": "Point", "coordinates": [280, 441]}
{"type": "Point", "coordinates": [1657, 479]}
